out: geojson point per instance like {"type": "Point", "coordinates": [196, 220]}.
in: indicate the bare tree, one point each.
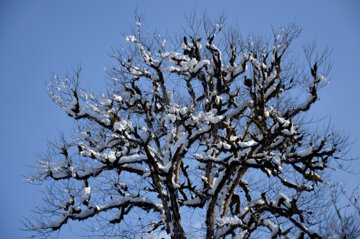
{"type": "Point", "coordinates": [213, 123]}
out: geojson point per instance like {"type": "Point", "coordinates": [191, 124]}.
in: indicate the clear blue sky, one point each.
{"type": "Point", "coordinates": [38, 37]}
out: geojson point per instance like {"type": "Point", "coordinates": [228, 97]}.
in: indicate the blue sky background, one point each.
{"type": "Point", "coordinates": [38, 37]}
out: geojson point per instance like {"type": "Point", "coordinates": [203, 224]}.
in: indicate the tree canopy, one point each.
{"type": "Point", "coordinates": [207, 123]}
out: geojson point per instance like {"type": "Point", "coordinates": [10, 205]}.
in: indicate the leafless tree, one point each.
{"type": "Point", "coordinates": [215, 124]}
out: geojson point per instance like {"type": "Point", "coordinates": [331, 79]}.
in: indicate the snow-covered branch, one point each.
{"type": "Point", "coordinates": [191, 126]}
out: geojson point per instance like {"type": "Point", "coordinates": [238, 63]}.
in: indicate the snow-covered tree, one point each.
{"type": "Point", "coordinates": [210, 129]}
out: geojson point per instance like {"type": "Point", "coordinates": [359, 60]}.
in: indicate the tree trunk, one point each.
{"type": "Point", "coordinates": [177, 232]}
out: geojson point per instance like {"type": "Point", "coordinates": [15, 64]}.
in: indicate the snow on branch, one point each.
{"type": "Point", "coordinates": [207, 128]}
